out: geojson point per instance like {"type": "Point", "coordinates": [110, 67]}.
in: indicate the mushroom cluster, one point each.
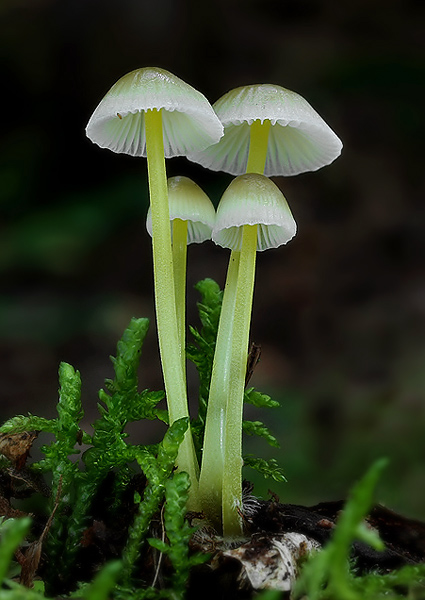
{"type": "Point", "coordinates": [253, 132]}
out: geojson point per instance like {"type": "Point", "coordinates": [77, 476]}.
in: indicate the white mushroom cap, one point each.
{"type": "Point", "coordinates": [189, 122]}
{"type": "Point", "coordinates": [253, 199]}
{"type": "Point", "coordinates": [299, 139]}
{"type": "Point", "coordinates": [190, 203]}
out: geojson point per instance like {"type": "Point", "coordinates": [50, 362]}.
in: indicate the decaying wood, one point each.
{"type": "Point", "coordinates": [16, 446]}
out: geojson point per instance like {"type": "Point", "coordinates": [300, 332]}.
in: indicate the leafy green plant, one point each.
{"type": "Point", "coordinates": [178, 533]}
{"type": "Point", "coordinates": [157, 469]}
{"type": "Point", "coordinates": [76, 488]}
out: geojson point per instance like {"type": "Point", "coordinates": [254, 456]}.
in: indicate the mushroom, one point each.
{"type": "Point", "coordinates": [192, 215]}
{"type": "Point", "coordinates": [150, 112]}
{"type": "Point", "coordinates": [267, 129]}
{"type": "Point", "coordinates": [252, 216]}
{"type": "Point", "coordinates": [299, 139]}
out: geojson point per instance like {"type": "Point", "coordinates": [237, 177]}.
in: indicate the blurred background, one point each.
{"type": "Point", "coordinates": [339, 312]}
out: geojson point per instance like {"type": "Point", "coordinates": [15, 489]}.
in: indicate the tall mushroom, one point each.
{"type": "Point", "coordinates": [151, 112]}
{"type": "Point", "coordinates": [267, 129]}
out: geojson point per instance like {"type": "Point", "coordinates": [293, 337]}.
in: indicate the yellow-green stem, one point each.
{"type": "Point", "coordinates": [258, 142]}
{"type": "Point", "coordinates": [179, 268]}
{"type": "Point", "coordinates": [220, 484]}
{"type": "Point", "coordinates": [232, 481]}
{"type": "Point", "coordinates": [211, 478]}
{"type": "Point", "coordinates": [168, 337]}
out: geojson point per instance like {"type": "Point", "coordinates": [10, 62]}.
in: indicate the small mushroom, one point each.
{"type": "Point", "coordinates": [188, 203]}
{"type": "Point", "coordinates": [192, 215]}
{"type": "Point", "coordinates": [253, 199]}
{"type": "Point", "coordinates": [299, 140]}
{"type": "Point", "coordinates": [252, 216]}
{"type": "Point", "coordinates": [151, 112]}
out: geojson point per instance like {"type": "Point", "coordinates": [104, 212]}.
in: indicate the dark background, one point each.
{"type": "Point", "coordinates": [339, 312]}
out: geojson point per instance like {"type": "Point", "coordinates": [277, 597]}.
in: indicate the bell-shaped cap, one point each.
{"type": "Point", "coordinates": [188, 202]}
{"type": "Point", "coordinates": [189, 122]}
{"type": "Point", "coordinates": [253, 199]}
{"type": "Point", "coordinates": [299, 139]}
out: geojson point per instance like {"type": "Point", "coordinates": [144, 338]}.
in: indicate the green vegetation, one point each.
{"type": "Point", "coordinates": [331, 575]}
{"type": "Point", "coordinates": [77, 486]}
{"type": "Point", "coordinates": [160, 496]}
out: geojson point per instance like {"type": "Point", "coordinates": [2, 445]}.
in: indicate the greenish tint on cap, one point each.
{"type": "Point", "coordinates": [253, 199]}
{"type": "Point", "coordinates": [190, 203]}
{"type": "Point", "coordinates": [189, 122]}
{"type": "Point", "coordinates": [299, 139]}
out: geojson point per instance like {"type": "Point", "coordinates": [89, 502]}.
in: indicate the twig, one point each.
{"type": "Point", "coordinates": [158, 566]}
